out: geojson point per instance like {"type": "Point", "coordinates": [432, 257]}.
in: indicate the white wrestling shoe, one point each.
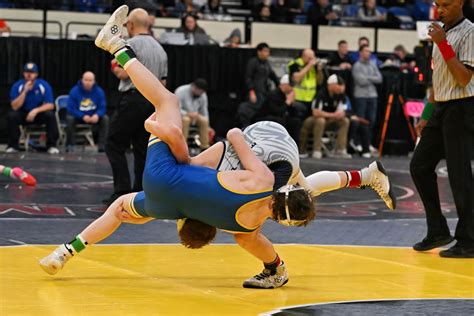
{"type": "Point", "coordinates": [265, 280]}
{"type": "Point", "coordinates": [375, 177]}
{"type": "Point", "coordinates": [56, 260]}
{"type": "Point", "coordinates": [109, 37]}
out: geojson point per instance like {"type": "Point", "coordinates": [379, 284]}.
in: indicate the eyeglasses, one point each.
{"type": "Point", "coordinates": [288, 221]}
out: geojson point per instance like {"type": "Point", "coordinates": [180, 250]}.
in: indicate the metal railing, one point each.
{"type": "Point", "coordinates": [43, 22]}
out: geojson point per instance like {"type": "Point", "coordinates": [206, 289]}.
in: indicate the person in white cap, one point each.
{"type": "Point", "coordinates": [328, 109]}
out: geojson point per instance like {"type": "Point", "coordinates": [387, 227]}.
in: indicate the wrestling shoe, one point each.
{"type": "Point", "coordinates": [109, 37]}
{"type": "Point", "coordinates": [56, 260]}
{"type": "Point", "coordinates": [375, 177]}
{"type": "Point", "coordinates": [266, 280]}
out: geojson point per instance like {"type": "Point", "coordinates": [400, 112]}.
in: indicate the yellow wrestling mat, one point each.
{"type": "Point", "coordinates": [171, 280]}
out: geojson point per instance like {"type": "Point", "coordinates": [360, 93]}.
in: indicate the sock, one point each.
{"type": "Point", "coordinates": [76, 245]}
{"type": "Point", "coordinates": [272, 266]}
{"type": "Point", "coordinates": [353, 179]}
{"type": "Point", "coordinates": [323, 181]}
{"type": "Point", "coordinates": [125, 56]}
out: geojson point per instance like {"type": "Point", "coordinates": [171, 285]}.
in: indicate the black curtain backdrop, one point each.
{"type": "Point", "coordinates": [62, 63]}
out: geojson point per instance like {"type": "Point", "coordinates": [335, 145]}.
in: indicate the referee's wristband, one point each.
{"type": "Point", "coordinates": [446, 50]}
{"type": "Point", "coordinates": [427, 111]}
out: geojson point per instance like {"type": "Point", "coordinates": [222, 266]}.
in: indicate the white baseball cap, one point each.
{"type": "Point", "coordinates": [285, 79]}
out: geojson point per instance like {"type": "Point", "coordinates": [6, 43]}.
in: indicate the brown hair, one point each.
{"type": "Point", "coordinates": [195, 234]}
{"type": "Point", "coordinates": [300, 205]}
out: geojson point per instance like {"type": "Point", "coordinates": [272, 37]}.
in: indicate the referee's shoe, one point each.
{"type": "Point", "coordinates": [458, 251]}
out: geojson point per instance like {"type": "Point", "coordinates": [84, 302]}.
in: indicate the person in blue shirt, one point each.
{"type": "Point", "coordinates": [32, 102]}
{"type": "Point", "coordinates": [86, 105]}
{"type": "Point", "coordinates": [354, 56]}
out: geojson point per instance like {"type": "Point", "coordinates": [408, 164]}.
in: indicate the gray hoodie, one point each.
{"type": "Point", "coordinates": [365, 75]}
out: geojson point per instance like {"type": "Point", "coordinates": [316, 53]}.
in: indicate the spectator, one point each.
{"type": "Point", "coordinates": [258, 77]}
{"type": "Point", "coordinates": [4, 28]}
{"type": "Point", "coordinates": [280, 12]}
{"type": "Point", "coordinates": [185, 7]}
{"type": "Point", "coordinates": [341, 58]}
{"type": "Point", "coordinates": [87, 105]}
{"type": "Point", "coordinates": [264, 14]}
{"type": "Point", "coordinates": [369, 12]}
{"type": "Point", "coordinates": [192, 32]}
{"type": "Point", "coordinates": [32, 102]}
{"type": "Point", "coordinates": [234, 40]}
{"type": "Point", "coordinates": [364, 41]}
{"type": "Point", "coordinates": [305, 72]}
{"type": "Point", "coordinates": [86, 6]}
{"type": "Point", "coordinates": [194, 109]}
{"type": "Point", "coordinates": [279, 107]}
{"type": "Point", "coordinates": [213, 10]}
{"type": "Point", "coordinates": [365, 76]}
{"type": "Point", "coordinates": [321, 13]}
{"type": "Point", "coordinates": [327, 110]}
{"type": "Point", "coordinates": [399, 59]}
{"type": "Point", "coordinates": [126, 125]}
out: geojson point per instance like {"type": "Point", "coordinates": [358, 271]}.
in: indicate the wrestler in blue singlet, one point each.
{"type": "Point", "coordinates": [174, 191]}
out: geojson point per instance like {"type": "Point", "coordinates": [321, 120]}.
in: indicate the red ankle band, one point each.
{"type": "Point", "coordinates": [355, 179]}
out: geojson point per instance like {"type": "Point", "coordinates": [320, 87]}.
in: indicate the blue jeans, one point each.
{"type": "Point", "coordinates": [366, 108]}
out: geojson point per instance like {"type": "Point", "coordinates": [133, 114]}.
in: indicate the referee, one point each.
{"type": "Point", "coordinates": [449, 133]}
{"type": "Point", "coordinates": [126, 126]}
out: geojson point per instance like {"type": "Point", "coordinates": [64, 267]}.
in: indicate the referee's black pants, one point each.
{"type": "Point", "coordinates": [127, 127]}
{"type": "Point", "coordinates": [448, 134]}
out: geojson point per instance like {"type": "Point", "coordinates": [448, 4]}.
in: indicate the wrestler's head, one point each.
{"type": "Point", "coordinates": [195, 234]}
{"type": "Point", "coordinates": [293, 206]}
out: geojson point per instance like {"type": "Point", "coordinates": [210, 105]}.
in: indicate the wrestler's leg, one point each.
{"type": "Point", "coordinates": [274, 274]}
{"type": "Point", "coordinates": [166, 124]}
{"type": "Point", "coordinates": [116, 214]}
{"type": "Point", "coordinates": [210, 157]}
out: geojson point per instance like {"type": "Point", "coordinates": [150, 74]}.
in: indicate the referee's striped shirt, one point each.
{"type": "Point", "coordinates": [461, 38]}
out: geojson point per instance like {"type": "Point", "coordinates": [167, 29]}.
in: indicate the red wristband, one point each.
{"type": "Point", "coordinates": [114, 65]}
{"type": "Point", "coordinates": [446, 50]}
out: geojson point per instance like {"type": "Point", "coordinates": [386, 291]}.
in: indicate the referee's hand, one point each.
{"type": "Point", "coordinates": [436, 32]}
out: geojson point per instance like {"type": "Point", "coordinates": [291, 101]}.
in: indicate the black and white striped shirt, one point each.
{"type": "Point", "coordinates": [461, 38]}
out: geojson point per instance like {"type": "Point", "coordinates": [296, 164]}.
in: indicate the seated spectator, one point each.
{"type": "Point", "coordinates": [4, 28]}
{"type": "Point", "coordinates": [86, 6]}
{"type": "Point", "coordinates": [234, 40]}
{"type": "Point", "coordinates": [280, 12]}
{"type": "Point", "coordinates": [321, 13]}
{"type": "Point", "coordinates": [364, 41]}
{"type": "Point", "coordinates": [194, 109]}
{"type": "Point", "coordinates": [340, 58]}
{"type": "Point", "coordinates": [399, 59]}
{"type": "Point", "coordinates": [264, 15]}
{"type": "Point", "coordinates": [32, 102]}
{"type": "Point", "coordinates": [86, 105]}
{"type": "Point", "coordinates": [327, 110]}
{"type": "Point", "coordinates": [213, 10]}
{"type": "Point", "coordinates": [186, 7]}
{"type": "Point", "coordinates": [194, 34]}
{"type": "Point", "coordinates": [279, 107]}
{"type": "Point", "coordinates": [369, 12]}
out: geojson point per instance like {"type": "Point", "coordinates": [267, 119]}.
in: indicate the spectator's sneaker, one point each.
{"type": "Point", "coordinates": [265, 280]}
{"type": "Point", "coordinates": [53, 151]}
{"type": "Point", "coordinates": [109, 37]}
{"type": "Point", "coordinates": [429, 243]}
{"type": "Point", "coordinates": [11, 150]}
{"type": "Point", "coordinates": [56, 260]}
{"type": "Point", "coordinates": [304, 155]}
{"type": "Point", "coordinates": [317, 154]}
{"type": "Point", "coordinates": [375, 176]}
{"type": "Point", "coordinates": [355, 148]}
{"type": "Point", "coordinates": [341, 154]}
{"type": "Point", "coordinates": [366, 155]}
